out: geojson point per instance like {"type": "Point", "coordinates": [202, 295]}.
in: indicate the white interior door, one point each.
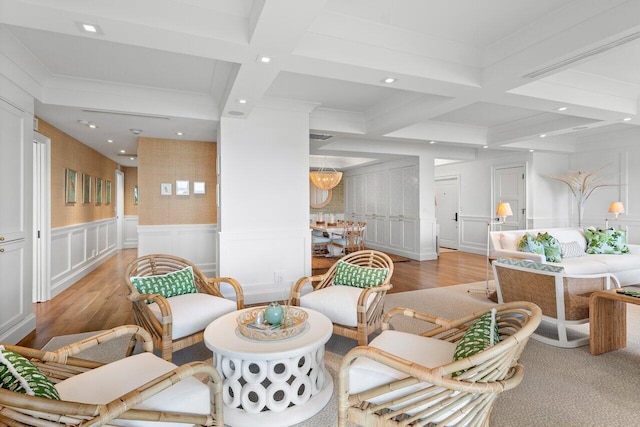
{"type": "Point", "coordinates": [447, 208]}
{"type": "Point", "coordinates": [509, 186]}
{"type": "Point", "coordinates": [41, 218]}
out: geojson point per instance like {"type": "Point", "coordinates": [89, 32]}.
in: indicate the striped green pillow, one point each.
{"type": "Point", "coordinates": [358, 276]}
{"type": "Point", "coordinates": [482, 334]}
{"type": "Point", "coordinates": [168, 285]}
{"type": "Point", "coordinates": [20, 375]}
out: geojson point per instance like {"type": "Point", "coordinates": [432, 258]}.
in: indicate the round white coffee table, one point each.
{"type": "Point", "coordinates": [271, 383]}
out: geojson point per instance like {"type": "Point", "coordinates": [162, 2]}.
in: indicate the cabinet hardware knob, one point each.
{"type": "Point", "coordinates": [1, 250]}
{"type": "Point", "coordinates": [1, 238]}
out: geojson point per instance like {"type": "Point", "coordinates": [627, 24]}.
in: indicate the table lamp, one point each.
{"type": "Point", "coordinates": [615, 208]}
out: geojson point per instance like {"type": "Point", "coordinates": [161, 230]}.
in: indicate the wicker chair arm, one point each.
{"type": "Point", "coordinates": [364, 296]}
{"type": "Point", "coordinates": [437, 376]}
{"type": "Point", "coordinates": [296, 291]}
{"type": "Point", "coordinates": [118, 408]}
{"type": "Point", "coordinates": [165, 308]}
{"type": "Point", "coordinates": [235, 285]}
{"type": "Point", "coordinates": [407, 312]}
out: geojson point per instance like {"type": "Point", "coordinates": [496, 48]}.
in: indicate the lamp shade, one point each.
{"type": "Point", "coordinates": [616, 208]}
{"type": "Point", "coordinates": [325, 180]}
{"type": "Point", "coordinates": [503, 209]}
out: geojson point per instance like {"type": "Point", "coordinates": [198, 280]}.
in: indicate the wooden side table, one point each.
{"type": "Point", "coordinates": [608, 320]}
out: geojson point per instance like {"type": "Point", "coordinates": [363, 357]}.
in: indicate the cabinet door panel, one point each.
{"type": "Point", "coordinates": [395, 192]}
{"type": "Point", "coordinates": [12, 163]}
{"type": "Point", "coordinates": [12, 282]}
{"type": "Point", "coordinates": [410, 192]}
{"type": "Point", "coordinates": [396, 233]}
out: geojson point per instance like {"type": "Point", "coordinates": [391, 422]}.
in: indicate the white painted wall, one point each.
{"type": "Point", "coordinates": [264, 235]}
{"type": "Point", "coordinates": [130, 235]}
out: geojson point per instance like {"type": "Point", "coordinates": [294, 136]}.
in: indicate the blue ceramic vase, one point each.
{"type": "Point", "coordinates": [273, 313]}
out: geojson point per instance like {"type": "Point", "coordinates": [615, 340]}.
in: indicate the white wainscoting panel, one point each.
{"type": "Point", "coordinates": [194, 242]}
{"type": "Point", "coordinates": [473, 234]}
{"type": "Point", "coordinates": [78, 249]}
{"type": "Point", "coordinates": [130, 238]}
{"type": "Point", "coordinates": [266, 262]}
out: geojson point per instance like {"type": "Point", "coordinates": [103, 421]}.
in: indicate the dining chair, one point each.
{"type": "Point", "coordinates": [352, 238]}
{"type": "Point", "coordinates": [351, 293]}
{"type": "Point", "coordinates": [52, 388]}
{"type": "Point", "coordinates": [175, 301]}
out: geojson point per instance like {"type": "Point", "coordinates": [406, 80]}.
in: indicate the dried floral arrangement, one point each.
{"type": "Point", "coordinates": [582, 184]}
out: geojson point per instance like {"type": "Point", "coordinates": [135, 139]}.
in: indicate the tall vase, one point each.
{"type": "Point", "coordinates": [580, 212]}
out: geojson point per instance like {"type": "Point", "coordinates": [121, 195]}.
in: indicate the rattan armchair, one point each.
{"type": "Point", "coordinates": [404, 379]}
{"type": "Point", "coordinates": [355, 312]}
{"type": "Point", "coordinates": [178, 322]}
{"type": "Point", "coordinates": [142, 387]}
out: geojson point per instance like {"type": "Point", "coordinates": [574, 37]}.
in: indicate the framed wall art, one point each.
{"type": "Point", "coordinates": [107, 192]}
{"type": "Point", "coordinates": [182, 188]}
{"type": "Point", "coordinates": [165, 189]}
{"type": "Point", "coordinates": [135, 195]}
{"type": "Point", "coordinates": [86, 188]}
{"type": "Point", "coordinates": [71, 182]}
{"type": "Point", "coordinates": [98, 191]}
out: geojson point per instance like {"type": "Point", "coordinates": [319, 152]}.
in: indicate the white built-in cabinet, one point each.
{"type": "Point", "coordinates": [386, 198]}
{"type": "Point", "coordinates": [15, 221]}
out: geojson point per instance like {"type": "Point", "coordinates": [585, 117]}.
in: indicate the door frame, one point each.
{"type": "Point", "coordinates": [41, 218]}
{"type": "Point", "coordinates": [455, 178]}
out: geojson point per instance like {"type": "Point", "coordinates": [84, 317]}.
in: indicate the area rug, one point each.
{"type": "Point", "coordinates": [561, 387]}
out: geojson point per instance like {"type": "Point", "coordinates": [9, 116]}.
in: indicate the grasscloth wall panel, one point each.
{"type": "Point", "coordinates": [67, 152]}
{"type": "Point", "coordinates": [165, 161]}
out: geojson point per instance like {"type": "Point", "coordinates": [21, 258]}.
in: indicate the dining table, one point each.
{"type": "Point", "coordinates": [334, 231]}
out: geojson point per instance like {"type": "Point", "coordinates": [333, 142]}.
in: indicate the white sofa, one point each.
{"type": "Point", "coordinates": [625, 267]}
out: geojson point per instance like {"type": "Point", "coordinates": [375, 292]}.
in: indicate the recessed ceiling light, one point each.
{"type": "Point", "coordinates": [131, 158]}
{"type": "Point", "coordinates": [544, 135]}
{"type": "Point", "coordinates": [485, 146]}
{"type": "Point", "coordinates": [531, 151]}
{"type": "Point", "coordinates": [390, 80]}
{"type": "Point", "coordinates": [626, 119]}
{"type": "Point", "coordinates": [432, 142]}
{"type": "Point", "coordinates": [242, 101]}
{"type": "Point", "coordinates": [562, 109]}
{"type": "Point", "coordinates": [109, 141]}
{"type": "Point", "coordinates": [87, 27]}
{"type": "Point", "coordinates": [136, 131]}
{"type": "Point", "coordinates": [265, 59]}
{"type": "Point", "coordinates": [123, 151]}
{"type": "Point", "coordinates": [93, 126]}
{"type": "Point", "coordinates": [179, 133]}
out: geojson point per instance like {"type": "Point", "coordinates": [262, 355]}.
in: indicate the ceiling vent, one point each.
{"type": "Point", "coordinates": [584, 55]}
{"type": "Point", "coordinates": [319, 136]}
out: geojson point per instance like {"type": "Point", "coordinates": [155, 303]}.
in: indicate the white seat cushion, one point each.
{"type": "Point", "coordinates": [193, 312]}
{"type": "Point", "coordinates": [106, 383]}
{"type": "Point", "coordinates": [366, 374]}
{"type": "Point", "coordinates": [338, 303]}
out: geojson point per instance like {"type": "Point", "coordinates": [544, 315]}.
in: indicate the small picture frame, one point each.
{"type": "Point", "coordinates": [182, 188]}
{"type": "Point", "coordinates": [135, 195]}
{"type": "Point", "coordinates": [165, 189]}
{"type": "Point", "coordinates": [86, 188]}
{"type": "Point", "coordinates": [107, 192]}
{"type": "Point", "coordinates": [198, 187]}
{"type": "Point", "coordinates": [98, 191]}
{"type": "Point", "coordinates": [71, 182]}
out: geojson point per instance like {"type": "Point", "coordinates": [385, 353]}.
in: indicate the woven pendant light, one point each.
{"type": "Point", "coordinates": [325, 179]}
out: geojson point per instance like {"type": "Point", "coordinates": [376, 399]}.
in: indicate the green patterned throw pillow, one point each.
{"type": "Point", "coordinates": [168, 285]}
{"type": "Point", "coordinates": [20, 375]}
{"type": "Point", "coordinates": [528, 243]}
{"type": "Point", "coordinates": [607, 241]}
{"type": "Point", "coordinates": [358, 276]}
{"type": "Point", "coordinates": [552, 252]}
{"type": "Point", "coordinates": [482, 334]}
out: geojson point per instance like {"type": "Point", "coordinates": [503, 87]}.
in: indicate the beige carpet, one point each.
{"type": "Point", "coordinates": [561, 387]}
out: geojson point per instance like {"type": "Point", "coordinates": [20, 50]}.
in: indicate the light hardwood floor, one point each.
{"type": "Point", "coordinates": [98, 301]}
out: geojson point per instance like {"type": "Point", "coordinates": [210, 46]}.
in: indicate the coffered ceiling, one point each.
{"type": "Point", "coordinates": [470, 77]}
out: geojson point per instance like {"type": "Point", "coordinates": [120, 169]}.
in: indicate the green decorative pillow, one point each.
{"type": "Point", "coordinates": [168, 285]}
{"type": "Point", "coordinates": [528, 243]}
{"type": "Point", "coordinates": [551, 247]}
{"type": "Point", "coordinates": [482, 334]}
{"type": "Point", "coordinates": [607, 241]}
{"type": "Point", "coordinates": [20, 375]}
{"type": "Point", "coordinates": [358, 276]}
